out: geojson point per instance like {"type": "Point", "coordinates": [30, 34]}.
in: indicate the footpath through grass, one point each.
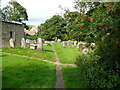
{"type": "Point", "coordinates": [21, 72]}
{"type": "Point", "coordinates": [46, 54]}
{"type": "Point", "coordinates": [72, 77]}
{"type": "Point", "coordinates": [66, 55]}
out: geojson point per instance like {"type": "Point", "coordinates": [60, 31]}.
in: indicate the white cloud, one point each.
{"type": "Point", "coordinates": [39, 10]}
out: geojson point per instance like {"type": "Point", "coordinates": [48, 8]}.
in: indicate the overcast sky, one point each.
{"type": "Point", "coordinates": [41, 10]}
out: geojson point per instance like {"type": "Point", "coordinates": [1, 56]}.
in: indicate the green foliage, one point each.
{"type": "Point", "coordinates": [53, 27]}
{"type": "Point", "coordinates": [97, 76]}
{"type": "Point", "coordinates": [32, 37]}
{"type": "Point", "coordinates": [14, 12]}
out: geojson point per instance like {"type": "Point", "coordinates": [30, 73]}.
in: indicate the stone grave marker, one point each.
{"type": "Point", "coordinates": [75, 43]}
{"type": "Point", "coordinates": [11, 43]}
{"type": "Point", "coordinates": [71, 44]}
{"type": "Point", "coordinates": [28, 42]}
{"type": "Point", "coordinates": [59, 40]}
{"type": "Point", "coordinates": [55, 39]}
{"type": "Point", "coordinates": [39, 44]}
{"type": "Point", "coordinates": [64, 44]}
{"type": "Point", "coordinates": [23, 44]}
{"type": "Point", "coordinates": [33, 46]}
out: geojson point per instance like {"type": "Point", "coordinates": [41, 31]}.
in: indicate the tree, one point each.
{"type": "Point", "coordinates": [14, 12]}
{"type": "Point", "coordinates": [53, 27]}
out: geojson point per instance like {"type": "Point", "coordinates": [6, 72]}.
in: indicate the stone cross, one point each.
{"type": "Point", "coordinates": [11, 43]}
{"type": "Point", "coordinates": [39, 44]}
{"type": "Point", "coordinates": [23, 43]}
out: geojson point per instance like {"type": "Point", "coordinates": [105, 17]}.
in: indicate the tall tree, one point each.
{"type": "Point", "coordinates": [14, 11]}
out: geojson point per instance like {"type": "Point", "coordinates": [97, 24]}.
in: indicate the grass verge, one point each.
{"type": "Point", "coordinates": [46, 54]}
{"type": "Point", "coordinates": [21, 72]}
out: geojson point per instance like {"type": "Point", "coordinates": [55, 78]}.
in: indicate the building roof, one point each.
{"type": "Point", "coordinates": [30, 32]}
{"type": "Point", "coordinates": [13, 22]}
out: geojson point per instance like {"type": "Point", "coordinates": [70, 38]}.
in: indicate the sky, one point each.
{"type": "Point", "coordinates": [40, 10]}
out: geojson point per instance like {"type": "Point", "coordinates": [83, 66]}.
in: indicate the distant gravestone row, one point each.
{"type": "Point", "coordinates": [29, 43]}
{"type": "Point", "coordinates": [84, 47]}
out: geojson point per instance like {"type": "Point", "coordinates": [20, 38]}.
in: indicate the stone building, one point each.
{"type": "Point", "coordinates": [10, 30]}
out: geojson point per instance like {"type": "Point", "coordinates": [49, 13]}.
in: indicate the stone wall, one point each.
{"type": "Point", "coordinates": [8, 27]}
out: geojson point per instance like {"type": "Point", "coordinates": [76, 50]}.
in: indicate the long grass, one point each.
{"type": "Point", "coordinates": [66, 55]}
{"type": "Point", "coordinates": [46, 54]}
{"type": "Point", "coordinates": [21, 72]}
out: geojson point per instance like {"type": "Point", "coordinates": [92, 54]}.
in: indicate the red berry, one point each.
{"type": "Point", "coordinates": [91, 19]}
{"type": "Point", "coordinates": [101, 24]}
{"type": "Point", "coordinates": [75, 22]}
{"type": "Point", "coordinates": [89, 1]}
{"type": "Point", "coordinates": [81, 26]}
{"type": "Point", "coordinates": [107, 26]}
{"type": "Point", "coordinates": [109, 6]}
{"type": "Point", "coordinates": [119, 44]}
{"type": "Point", "coordinates": [74, 33]}
{"type": "Point", "coordinates": [97, 49]}
{"type": "Point", "coordinates": [60, 25]}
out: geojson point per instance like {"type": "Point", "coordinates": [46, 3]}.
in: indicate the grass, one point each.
{"type": "Point", "coordinates": [72, 77]}
{"type": "Point", "coordinates": [66, 55]}
{"type": "Point", "coordinates": [21, 72]}
{"type": "Point", "coordinates": [46, 54]}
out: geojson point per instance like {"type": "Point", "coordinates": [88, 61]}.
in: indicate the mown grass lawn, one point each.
{"type": "Point", "coordinates": [46, 54]}
{"type": "Point", "coordinates": [72, 77]}
{"type": "Point", "coordinates": [66, 55]}
{"type": "Point", "coordinates": [21, 72]}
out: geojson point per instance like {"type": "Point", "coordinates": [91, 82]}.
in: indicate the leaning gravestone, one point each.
{"type": "Point", "coordinates": [55, 39]}
{"type": "Point", "coordinates": [71, 44]}
{"type": "Point", "coordinates": [11, 43]}
{"type": "Point", "coordinates": [39, 44]}
{"type": "Point", "coordinates": [23, 44]}
{"type": "Point", "coordinates": [64, 44]}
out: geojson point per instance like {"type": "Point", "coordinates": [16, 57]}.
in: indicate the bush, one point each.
{"type": "Point", "coordinates": [97, 76]}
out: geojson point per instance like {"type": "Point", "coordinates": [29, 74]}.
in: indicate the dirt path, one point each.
{"type": "Point", "coordinates": [59, 77]}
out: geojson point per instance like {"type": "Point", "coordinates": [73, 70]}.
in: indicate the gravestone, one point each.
{"type": "Point", "coordinates": [39, 44]}
{"type": "Point", "coordinates": [59, 40]}
{"type": "Point", "coordinates": [23, 43]}
{"type": "Point", "coordinates": [11, 43]}
{"type": "Point", "coordinates": [71, 44]}
{"type": "Point", "coordinates": [75, 43]}
{"type": "Point", "coordinates": [80, 47]}
{"type": "Point", "coordinates": [85, 50]}
{"type": "Point", "coordinates": [28, 42]}
{"type": "Point", "coordinates": [64, 44]}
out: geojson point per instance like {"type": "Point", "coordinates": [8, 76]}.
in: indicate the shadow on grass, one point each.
{"type": "Point", "coordinates": [48, 50]}
{"type": "Point", "coordinates": [3, 55]}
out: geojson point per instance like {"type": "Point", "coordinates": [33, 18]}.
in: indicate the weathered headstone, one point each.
{"type": "Point", "coordinates": [28, 42]}
{"type": "Point", "coordinates": [85, 50]}
{"type": "Point", "coordinates": [64, 44]}
{"type": "Point", "coordinates": [59, 40]}
{"type": "Point", "coordinates": [11, 43]}
{"type": "Point", "coordinates": [71, 44]}
{"type": "Point", "coordinates": [39, 44]}
{"type": "Point", "coordinates": [23, 44]}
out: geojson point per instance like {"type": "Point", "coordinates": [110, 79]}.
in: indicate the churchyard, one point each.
{"type": "Point", "coordinates": [32, 65]}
